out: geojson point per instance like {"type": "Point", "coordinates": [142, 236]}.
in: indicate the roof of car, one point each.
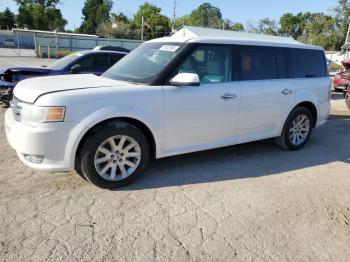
{"type": "Point", "coordinates": [101, 51]}
{"type": "Point", "coordinates": [193, 34]}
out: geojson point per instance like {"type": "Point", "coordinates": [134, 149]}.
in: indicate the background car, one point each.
{"type": "Point", "coordinates": [347, 97]}
{"type": "Point", "coordinates": [341, 80]}
{"type": "Point", "coordinates": [84, 62]}
{"type": "Point", "coordinates": [112, 48]}
{"type": "Point", "coordinates": [334, 68]}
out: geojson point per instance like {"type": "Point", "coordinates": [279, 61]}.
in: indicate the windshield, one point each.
{"type": "Point", "coordinates": [63, 62]}
{"type": "Point", "coordinates": [144, 63]}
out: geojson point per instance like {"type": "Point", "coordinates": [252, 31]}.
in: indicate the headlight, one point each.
{"type": "Point", "coordinates": [34, 115]}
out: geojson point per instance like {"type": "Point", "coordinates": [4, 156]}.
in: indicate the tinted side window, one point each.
{"type": "Point", "coordinates": [257, 63]}
{"type": "Point", "coordinates": [213, 64]}
{"type": "Point", "coordinates": [307, 63]}
{"type": "Point", "coordinates": [114, 59]}
{"type": "Point", "coordinates": [282, 55]}
{"type": "Point", "coordinates": [95, 63]}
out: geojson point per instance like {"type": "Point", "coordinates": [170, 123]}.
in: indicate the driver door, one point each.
{"type": "Point", "coordinates": [205, 116]}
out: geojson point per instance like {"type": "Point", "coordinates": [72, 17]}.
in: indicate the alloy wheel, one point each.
{"type": "Point", "coordinates": [299, 129]}
{"type": "Point", "coordinates": [117, 158]}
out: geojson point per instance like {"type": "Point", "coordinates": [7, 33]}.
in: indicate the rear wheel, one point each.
{"type": "Point", "coordinates": [297, 129]}
{"type": "Point", "coordinates": [114, 155]}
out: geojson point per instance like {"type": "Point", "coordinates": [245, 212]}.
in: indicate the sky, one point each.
{"type": "Point", "coordinates": [235, 10]}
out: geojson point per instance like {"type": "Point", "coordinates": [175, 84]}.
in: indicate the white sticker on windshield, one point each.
{"type": "Point", "coordinates": [169, 48]}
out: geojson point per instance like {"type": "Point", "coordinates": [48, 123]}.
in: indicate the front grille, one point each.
{"type": "Point", "coordinates": [16, 107]}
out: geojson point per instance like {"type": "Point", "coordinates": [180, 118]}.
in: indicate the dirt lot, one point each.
{"type": "Point", "coordinates": [250, 202]}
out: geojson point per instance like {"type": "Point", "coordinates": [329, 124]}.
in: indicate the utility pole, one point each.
{"type": "Point", "coordinates": [56, 40]}
{"type": "Point", "coordinates": [346, 41]}
{"type": "Point", "coordinates": [174, 15]}
{"type": "Point", "coordinates": [19, 51]}
{"type": "Point", "coordinates": [142, 25]}
{"type": "Point", "coordinates": [347, 35]}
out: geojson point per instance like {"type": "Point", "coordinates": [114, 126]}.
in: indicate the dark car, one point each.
{"type": "Point", "coordinates": [112, 48]}
{"type": "Point", "coordinates": [84, 62]}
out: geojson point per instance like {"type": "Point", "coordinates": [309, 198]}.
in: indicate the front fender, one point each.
{"type": "Point", "coordinates": [107, 113]}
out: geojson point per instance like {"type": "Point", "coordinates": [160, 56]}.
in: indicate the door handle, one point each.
{"type": "Point", "coordinates": [286, 91]}
{"type": "Point", "coordinates": [228, 96]}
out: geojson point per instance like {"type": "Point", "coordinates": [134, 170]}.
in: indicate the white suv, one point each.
{"type": "Point", "coordinates": [169, 96]}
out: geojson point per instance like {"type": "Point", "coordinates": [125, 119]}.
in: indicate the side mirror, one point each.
{"type": "Point", "coordinates": [185, 79]}
{"type": "Point", "coordinates": [75, 69]}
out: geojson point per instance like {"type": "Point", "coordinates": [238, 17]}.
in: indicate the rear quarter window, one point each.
{"type": "Point", "coordinates": [306, 63]}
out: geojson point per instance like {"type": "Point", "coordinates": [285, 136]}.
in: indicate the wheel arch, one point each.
{"type": "Point", "coordinates": [133, 121]}
{"type": "Point", "coordinates": [303, 103]}
{"type": "Point", "coordinates": [313, 109]}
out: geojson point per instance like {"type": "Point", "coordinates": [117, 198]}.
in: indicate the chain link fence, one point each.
{"type": "Point", "coordinates": [51, 44]}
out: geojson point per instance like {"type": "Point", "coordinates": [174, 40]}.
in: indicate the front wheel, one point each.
{"type": "Point", "coordinates": [297, 129]}
{"type": "Point", "coordinates": [114, 155]}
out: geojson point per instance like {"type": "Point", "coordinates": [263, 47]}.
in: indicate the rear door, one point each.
{"type": "Point", "coordinates": [266, 91]}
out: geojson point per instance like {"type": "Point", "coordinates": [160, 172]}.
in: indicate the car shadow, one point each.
{"type": "Point", "coordinates": [249, 160]}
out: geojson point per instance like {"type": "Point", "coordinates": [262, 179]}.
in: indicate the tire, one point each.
{"type": "Point", "coordinates": [288, 138]}
{"type": "Point", "coordinates": [78, 168]}
{"type": "Point", "coordinates": [114, 155]}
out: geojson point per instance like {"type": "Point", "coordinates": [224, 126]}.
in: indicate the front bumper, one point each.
{"type": "Point", "coordinates": [51, 141]}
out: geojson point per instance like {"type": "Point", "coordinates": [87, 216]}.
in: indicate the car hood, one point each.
{"type": "Point", "coordinates": [25, 70]}
{"type": "Point", "coordinates": [31, 89]}
{"type": "Point", "coordinates": [11, 75]}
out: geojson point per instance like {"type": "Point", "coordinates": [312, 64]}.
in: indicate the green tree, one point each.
{"type": "Point", "coordinates": [342, 16]}
{"type": "Point", "coordinates": [122, 27]}
{"type": "Point", "coordinates": [54, 19]}
{"type": "Point", "coordinates": [265, 26]}
{"type": "Point", "coordinates": [331, 42]}
{"type": "Point", "coordinates": [155, 24]}
{"type": "Point", "coordinates": [319, 23]}
{"type": "Point", "coordinates": [314, 28]}
{"type": "Point", "coordinates": [205, 15]}
{"type": "Point", "coordinates": [120, 17]}
{"type": "Point", "coordinates": [292, 25]}
{"type": "Point", "coordinates": [40, 15]}
{"type": "Point", "coordinates": [184, 20]}
{"type": "Point", "coordinates": [227, 24]}
{"type": "Point", "coordinates": [237, 27]}
{"type": "Point", "coordinates": [95, 12]}
{"type": "Point", "coordinates": [7, 19]}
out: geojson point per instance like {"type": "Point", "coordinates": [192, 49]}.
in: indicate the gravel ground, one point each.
{"type": "Point", "coordinates": [251, 202]}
